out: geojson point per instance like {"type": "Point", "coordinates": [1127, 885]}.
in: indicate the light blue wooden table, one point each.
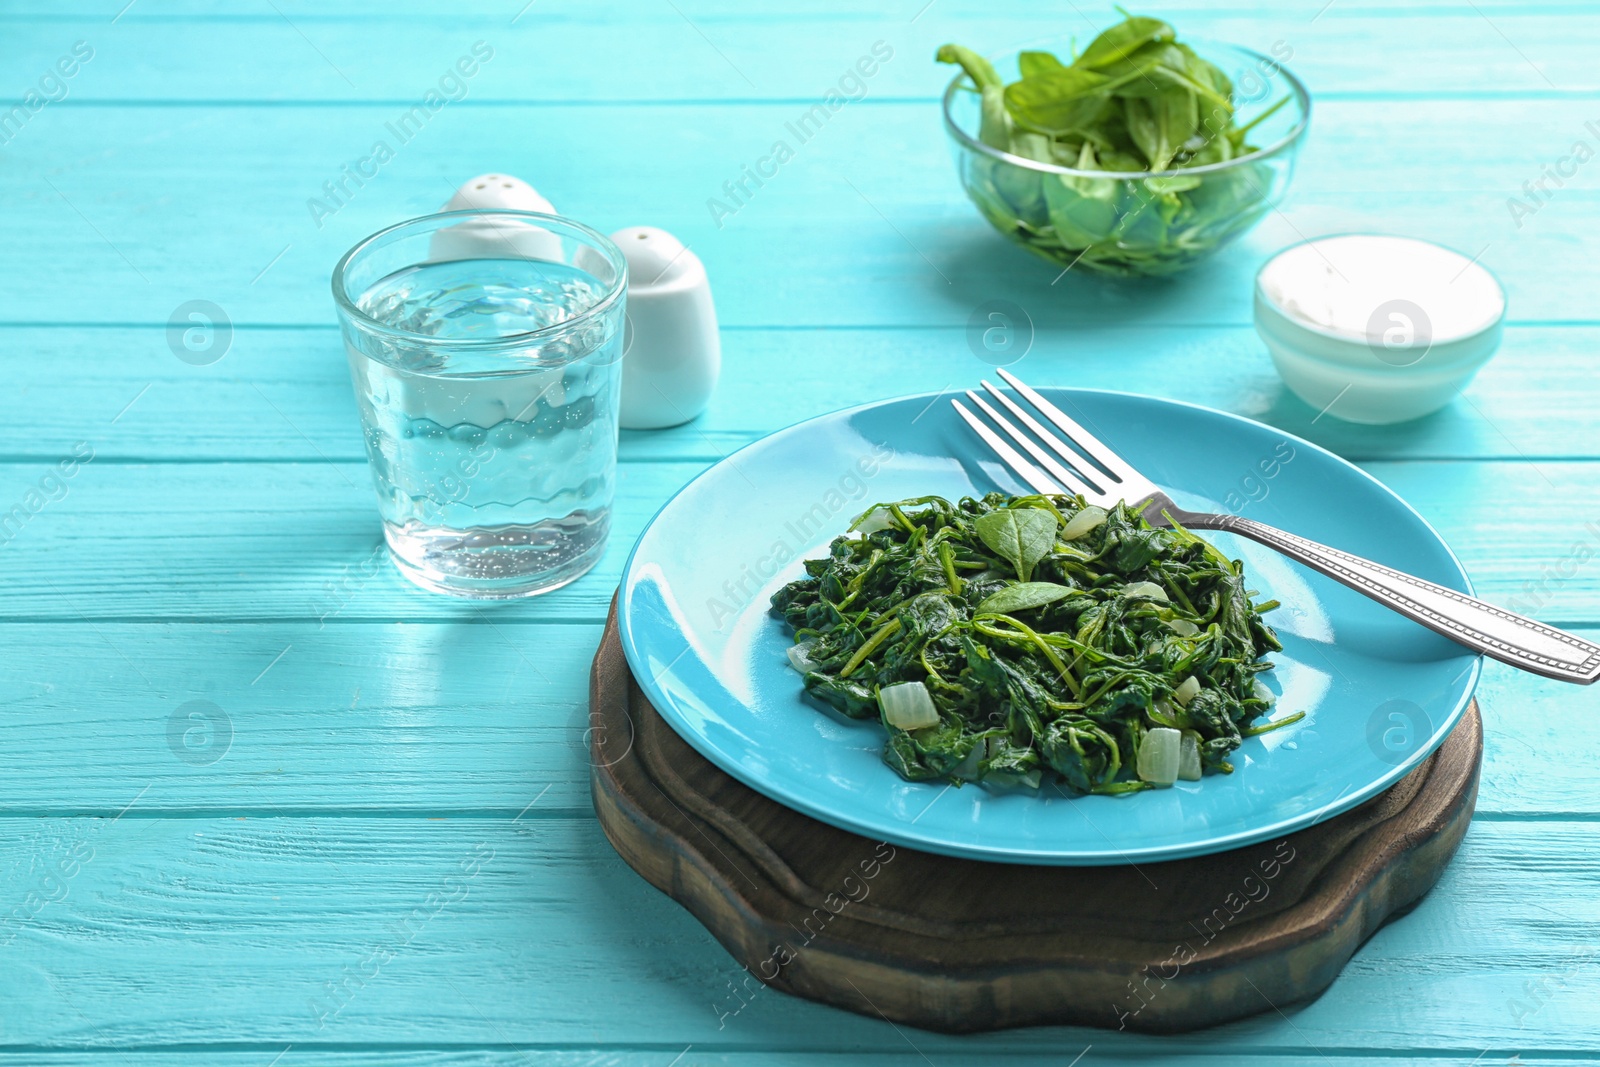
{"type": "Point", "coordinates": [371, 839]}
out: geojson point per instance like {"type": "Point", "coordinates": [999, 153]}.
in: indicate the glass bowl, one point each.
{"type": "Point", "coordinates": [1135, 224]}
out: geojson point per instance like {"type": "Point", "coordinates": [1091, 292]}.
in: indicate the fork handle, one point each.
{"type": "Point", "coordinates": [1495, 632]}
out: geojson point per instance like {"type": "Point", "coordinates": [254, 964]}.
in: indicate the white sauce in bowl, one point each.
{"type": "Point", "coordinates": [1350, 286]}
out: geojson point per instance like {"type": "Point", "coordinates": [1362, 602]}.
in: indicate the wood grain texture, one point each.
{"type": "Point", "coordinates": [293, 718]}
{"type": "Point", "coordinates": [726, 9]}
{"type": "Point", "coordinates": [866, 226]}
{"type": "Point", "coordinates": [558, 944]}
{"type": "Point", "coordinates": [255, 55]}
{"type": "Point", "coordinates": [199, 541]}
{"type": "Point", "coordinates": [660, 1055]}
{"type": "Point", "coordinates": [963, 946]}
{"type": "Point", "coordinates": [401, 731]}
{"type": "Point", "coordinates": [368, 718]}
{"type": "Point", "coordinates": [294, 383]}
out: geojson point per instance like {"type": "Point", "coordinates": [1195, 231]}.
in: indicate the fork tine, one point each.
{"type": "Point", "coordinates": [1008, 455]}
{"type": "Point", "coordinates": [1061, 448]}
{"type": "Point", "coordinates": [1071, 480]}
{"type": "Point", "coordinates": [1114, 464]}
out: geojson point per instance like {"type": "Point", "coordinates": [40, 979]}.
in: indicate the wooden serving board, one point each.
{"type": "Point", "coordinates": [961, 945]}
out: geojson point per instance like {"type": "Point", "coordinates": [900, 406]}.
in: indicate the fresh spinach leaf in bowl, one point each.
{"type": "Point", "coordinates": [1144, 166]}
{"type": "Point", "coordinates": [1012, 640]}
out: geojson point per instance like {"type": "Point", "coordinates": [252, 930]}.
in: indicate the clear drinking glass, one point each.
{"type": "Point", "coordinates": [486, 349]}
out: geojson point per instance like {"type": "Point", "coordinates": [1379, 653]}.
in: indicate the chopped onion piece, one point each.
{"type": "Point", "coordinates": [1187, 690]}
{"type": "Point", "coordinates": [1147, 590]}
{"type": "Point", "coordinates": [1183, 627]}
{"type": "Point", "coordinates": [1189, 757]}
{"type": "Point", "coordinates": [1259, 690]}
{"type": "Point", "coordinates": [800, 659]}
{"type": "Point", "coordinates": [1083, 522]}
{"type": "Point", "coordinates": [1010, 781]}
{"type": "Point", "coordinates": [1158, 756]}
{"type": "Point", "coordinates": [967, 769]}
{"type": "Point", "coordinates": [873, 521]}
{"type": "Point", "coordinates": [908, 705]}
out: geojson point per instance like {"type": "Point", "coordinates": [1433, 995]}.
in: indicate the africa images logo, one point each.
{"type": "Point", "coordinates": [799, 532]}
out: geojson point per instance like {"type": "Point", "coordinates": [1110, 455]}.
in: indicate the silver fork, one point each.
{"type": "Point", "coordinates": [1104, 478]}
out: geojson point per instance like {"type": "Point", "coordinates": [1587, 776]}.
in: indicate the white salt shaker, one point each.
{"type": "Point", "coordinates": [500, 238]}
{"type": "Point", "coordinates": [673, 350]}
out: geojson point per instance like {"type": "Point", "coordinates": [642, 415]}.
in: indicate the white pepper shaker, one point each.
{"type": "Point", "coordinates": [496, 239]}
{"type": "Point", "coordinates": [439, 399]}
{"type": "Point", "coordinates": [673, 350]}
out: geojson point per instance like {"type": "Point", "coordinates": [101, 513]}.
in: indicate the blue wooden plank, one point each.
{"type": "Point", "coordinates": [725, 10]}
{"type": "Point", "coordinates": [866, 226]}
{"type": "Point", "coordinates": [689, 1056]}
{"type": "Point", "coordinates": [531, 964]}
{"type": "Point", "coordinates": [283, 718]}
{"type": "Point", "coordinates": [429, 719]}
{"type": "Point", "coordinates": [327, 931]}
{"type": "Point", "coordinates": [549, 53]}
{"type": "Point", "coordinates": [1536, 400]}
{"type": "Point", "coordinates": [265, 541]}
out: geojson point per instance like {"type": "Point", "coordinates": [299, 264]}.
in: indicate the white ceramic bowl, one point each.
{"type": "Point", "coordinates": [1422, 342]}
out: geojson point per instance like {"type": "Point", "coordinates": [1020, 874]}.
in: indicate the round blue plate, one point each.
{"type": "Point", "coordinates": [1379, 692]}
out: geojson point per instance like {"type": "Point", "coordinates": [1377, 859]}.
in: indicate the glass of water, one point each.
{"type": "Point", "coordinates": [486, 350]}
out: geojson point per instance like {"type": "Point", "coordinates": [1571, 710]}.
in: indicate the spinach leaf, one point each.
{"type": "Point", "coordinates": [1177, 116]}
{"type": "Point", "coordinates": [1031, 63]}
{"type": "Point", "coordinates": [1024, 596]}
{"type": "Point", "coordinates": [980, 70]}
{"type": "Point", "coordinates": [994, 126]}
{"type": "Point", "coordinates": [1147, 132]}
{"type": "Point", "coordinates": [1057, 678]}
{"type": "Point", "coordinates": [1020, 536]}
{"type": "Point", "coordinates": [1082, 209]}
{"type": "Point", "coordinates": [1138, 74]}
{"type": "Point", "coordinates": [1136, 100]}
{"type": "Point", "coordinates": [1172, 71]}
{"type": "Point", "coordinates": [1059, 101]}
{"type": "Point", "coordinates": [1204, 72]}
{"type": "Point", "coordinates": [1122, 40]}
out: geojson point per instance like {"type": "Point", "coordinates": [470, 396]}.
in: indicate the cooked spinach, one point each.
{"type": "Point", "coordinates": [1136, 100]}
{"type": "Point", "coordinates": [1048, 639]}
